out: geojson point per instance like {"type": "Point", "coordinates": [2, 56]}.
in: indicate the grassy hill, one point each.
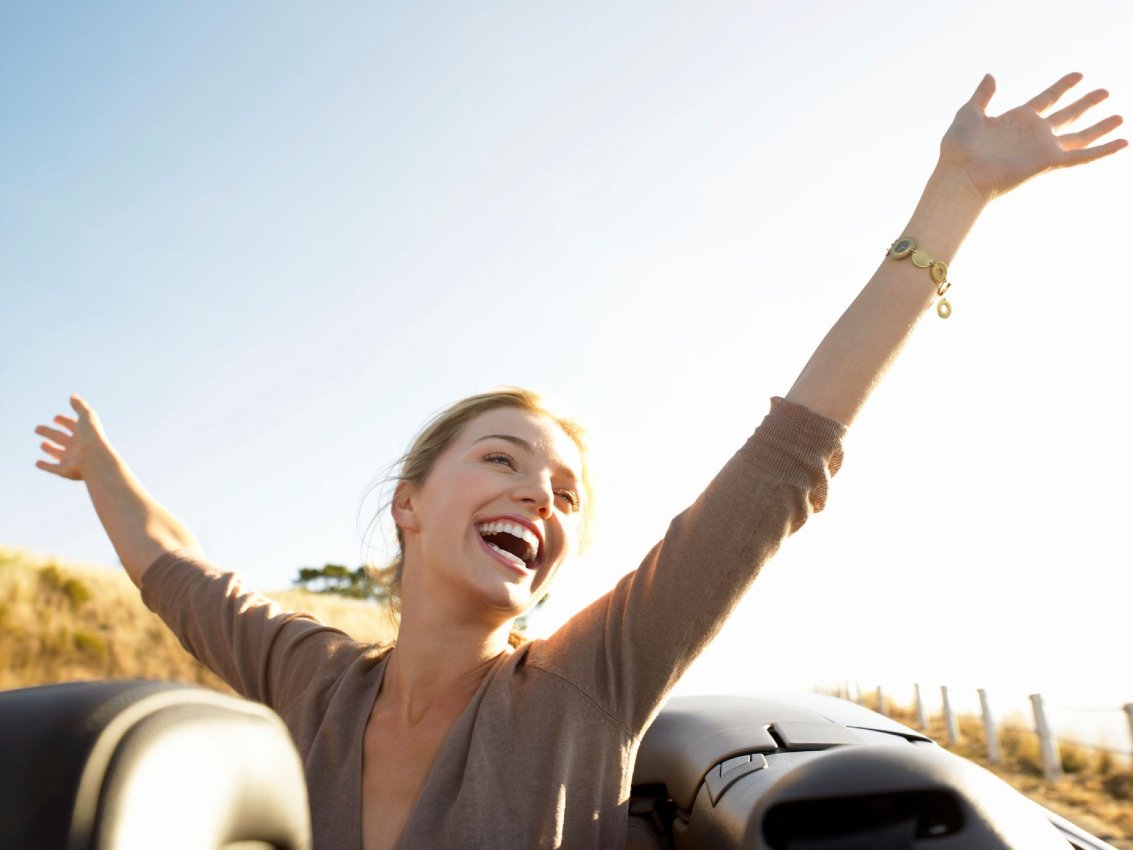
{"type": "Point", "coordinates": [67, 622]}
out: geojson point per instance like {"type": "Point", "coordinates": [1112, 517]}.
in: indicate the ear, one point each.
{"type": "Point", "coordinates": [404, 506]}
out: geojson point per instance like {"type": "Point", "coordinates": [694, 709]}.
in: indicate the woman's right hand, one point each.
{"type": "Point", "coordinates": [74, 442]}
{"type": "Point", "coordinates": [138, 526]}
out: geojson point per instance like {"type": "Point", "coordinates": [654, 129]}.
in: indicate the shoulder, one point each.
{"type": "Point", "coordinates": [533, 675]}
{"type": "Point", "coordinates": [335, 696]}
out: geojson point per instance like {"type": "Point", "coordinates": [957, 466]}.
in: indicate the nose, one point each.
{"type": "Point", "coordinates": [535, 491]}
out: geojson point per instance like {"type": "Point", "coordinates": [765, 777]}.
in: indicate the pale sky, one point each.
{"type": "Point", "coordinates": [268, 240]}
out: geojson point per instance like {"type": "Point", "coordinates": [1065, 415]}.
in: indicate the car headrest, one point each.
{"type": "Point", "coordinates": [124, 765]}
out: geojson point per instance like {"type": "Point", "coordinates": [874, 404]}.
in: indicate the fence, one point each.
{"type": "Point", "coordinates": [1050, 754]}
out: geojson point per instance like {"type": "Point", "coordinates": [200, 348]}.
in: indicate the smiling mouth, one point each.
{"type": "Point", "coordinates": [516, 543]}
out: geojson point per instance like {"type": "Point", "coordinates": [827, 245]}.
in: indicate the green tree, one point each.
{"type": "Point", "coordinates": [342, 581]}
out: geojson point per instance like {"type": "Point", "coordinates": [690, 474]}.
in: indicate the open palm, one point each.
{"type": "Point", "coordinates": [71, 441]}
{"type": "Point", "coordinates": [998, 153]}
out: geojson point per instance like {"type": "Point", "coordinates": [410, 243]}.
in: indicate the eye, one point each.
{"type": "Point", "coordinates": [571, 498]}
{"type": "Point", "coordinates": [501, 458]}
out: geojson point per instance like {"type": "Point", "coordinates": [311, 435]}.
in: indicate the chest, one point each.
{"type": "Point", "coordinates": [396, 761]}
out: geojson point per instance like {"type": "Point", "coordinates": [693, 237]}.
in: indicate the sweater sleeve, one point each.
{"type": "Point", "coordinates": [263, 652]}
{"type": "Point", "coordinates": [627, 649]}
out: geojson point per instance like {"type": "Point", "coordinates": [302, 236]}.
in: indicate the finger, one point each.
{"type": "Point", "coordinates": [67, 422]}
{"type": "Point", "coordinates": [57, 469]}
{"type": "Point", "coordinates": [1077, 109]}
{"type": "Point", "coordinates": [80, 406]}
{"type": "Point", "coordinates": [981, 97]}
{"type": "Point", "coordinates": [54, 435]}
{"type": "Point", "coordinates": [1074, 141]}
{"type": "Point", "coordinates": [1090, 154]}
{"type": "Point", "coordinates": [1048, 98]}
{"type": "Point", "coordinates": [52, 450]}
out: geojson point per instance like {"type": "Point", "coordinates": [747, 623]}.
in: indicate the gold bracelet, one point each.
{"type": "Point", "coordinates": [922, 259]}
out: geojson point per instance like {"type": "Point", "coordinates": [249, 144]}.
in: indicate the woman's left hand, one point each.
{"type": "Point", "coordinates": [997, 154]}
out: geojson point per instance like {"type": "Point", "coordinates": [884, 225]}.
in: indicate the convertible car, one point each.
{"type": "Point", "coordinates": [132, 765]}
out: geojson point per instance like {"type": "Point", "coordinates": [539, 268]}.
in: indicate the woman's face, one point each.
{"type": "Point", "coordinates": [497, 515]}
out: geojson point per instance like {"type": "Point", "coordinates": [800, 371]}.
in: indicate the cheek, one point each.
{"type": "Point", "coordinates": [569, 542]}
{"type": "Point", "coordinates": [446, 497]}
{"type": "Point", "coordinates": [573, 544]}
{"type": "Point", "coordinates": [577, 532]}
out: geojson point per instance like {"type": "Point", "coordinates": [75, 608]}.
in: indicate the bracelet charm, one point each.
{"type": "Point", "coordinates": [922, 259]}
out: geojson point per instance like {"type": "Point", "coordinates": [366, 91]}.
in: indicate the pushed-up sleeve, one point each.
{"type": "Point", "coordinates": [263, 652]}
{"type": "Point", "coordinates": [628, 648]}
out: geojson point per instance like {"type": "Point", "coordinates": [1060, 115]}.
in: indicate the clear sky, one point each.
{"type": "Point", "coordinates": [268, 240]}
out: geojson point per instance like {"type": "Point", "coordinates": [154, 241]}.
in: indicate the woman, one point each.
{"type": "Point", "coordinates": [455, 738]}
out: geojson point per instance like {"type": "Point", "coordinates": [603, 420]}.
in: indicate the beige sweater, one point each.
{"type": "Point", "coordinates": [543, 754]}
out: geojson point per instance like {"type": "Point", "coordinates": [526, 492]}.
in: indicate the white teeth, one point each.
{"type": "Point", "coordinates": [515, 530]}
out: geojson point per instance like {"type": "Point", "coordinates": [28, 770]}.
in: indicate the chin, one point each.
{"type": "Point", "coordinates": [510, 602]}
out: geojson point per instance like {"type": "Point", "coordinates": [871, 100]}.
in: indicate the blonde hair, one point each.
{"type": "Point", "coordinates": [439, 433]}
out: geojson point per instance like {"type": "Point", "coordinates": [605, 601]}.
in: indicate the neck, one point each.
{"type": "Point", "coordinates": [438, 659]}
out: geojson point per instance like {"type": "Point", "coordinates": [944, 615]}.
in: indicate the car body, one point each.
{"type": "Point", "coordinates": [794, 771]}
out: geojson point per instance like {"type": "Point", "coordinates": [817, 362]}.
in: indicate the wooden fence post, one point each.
{"type": "Point", "coordinates": [949, 717]}
{"type": "Point", "coordinates": [880, 701]}
{"type": "Point", "coordinates": [1048, 748]}
{"type": "Point", "coordinates": [989, 729]}
{"type": "Point", "coordinates": [920, 708]}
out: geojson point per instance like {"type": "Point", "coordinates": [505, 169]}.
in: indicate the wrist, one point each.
{"type": "Point", "coordinates": [949, 205]}
{"type": "Point", "coordinates": [101, 465]}
{"type": "Point", "coordinates": [954, 180]}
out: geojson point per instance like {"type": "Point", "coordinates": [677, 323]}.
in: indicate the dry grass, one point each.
{"type": "Point", "coordinates": [66, 622]}
{"type": "Point", "coordinates": [1095, 792]}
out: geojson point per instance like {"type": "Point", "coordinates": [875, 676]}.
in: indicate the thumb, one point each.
{"type": "Point", "coordinates": [86, 414]}
{"type": "Point", "coordinates": [982, 95]}
{"type": "Point", "coordinates": [80, 406]}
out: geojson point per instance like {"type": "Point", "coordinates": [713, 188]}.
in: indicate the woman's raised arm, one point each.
{"type": "Point", "coordinates": [981, 157]}
{"type": "Point", "coordinates": [140, 528]}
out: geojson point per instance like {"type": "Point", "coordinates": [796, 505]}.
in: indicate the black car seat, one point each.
{"type": "Point", "coordinates": [126, 765]}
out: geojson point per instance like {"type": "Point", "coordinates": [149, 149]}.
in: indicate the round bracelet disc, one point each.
{"type": "Point", "coordinates": [902, 248]}
{"type": "Point", "coordinates": [921, 258]}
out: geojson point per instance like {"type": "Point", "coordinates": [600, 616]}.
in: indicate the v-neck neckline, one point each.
{"type": "Point", "coordinates": [360, 735]}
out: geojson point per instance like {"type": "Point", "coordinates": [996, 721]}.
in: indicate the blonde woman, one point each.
{"type": "Point", "coordinates": [455, 737]}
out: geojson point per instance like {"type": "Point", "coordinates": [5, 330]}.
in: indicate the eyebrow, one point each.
{"type": "Point", "coordinates": [519, 441]}
{"type": "Point", "coordinates": [527, 447]}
